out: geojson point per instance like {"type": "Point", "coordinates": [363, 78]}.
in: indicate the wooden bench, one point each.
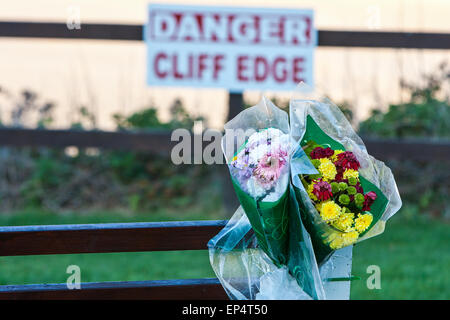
{"type": "Point", "coordinates": [112, 237]}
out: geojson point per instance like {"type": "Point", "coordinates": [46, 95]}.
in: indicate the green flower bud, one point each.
{"type": "Point", "coordinates": [351, 190]}
{"type": "Point", "coordinates": [359, 205]}
{"type": "Point", "coordinates": [315, 176]}
{"type": "Point", "coordinates": [343, 186]}
{"type": "Point", "coordinates": [315, 162]}
{"type": "Point", "coordinates": [352, 181]}
{"type": "Point", "coordinates": [334, 187]}
{"type": "Point", "coordinates": [359, 199]}
{"type": "Point", "coordinates": [344, 199]}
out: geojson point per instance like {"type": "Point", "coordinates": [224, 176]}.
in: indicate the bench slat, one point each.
{"type": "Point", "coordinates": [110, 237]}
{"type": "Point", "coordinates": [203, 289]}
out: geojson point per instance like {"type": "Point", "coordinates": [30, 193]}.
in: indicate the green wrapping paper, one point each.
{"type": "Point", "coordinates": [283, 256]}
{"type": "Point", "coordinates": [322, 123]}
{"type": "Point", "coordinates": [269, 221]}
{"type": "Point", "coordinates": [281, 235]}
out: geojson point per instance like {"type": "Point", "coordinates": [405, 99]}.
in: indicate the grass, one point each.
{"type": "Point", "coordinates": [412, 254]}
{"type": "Point", "coordinates": [414, 259]}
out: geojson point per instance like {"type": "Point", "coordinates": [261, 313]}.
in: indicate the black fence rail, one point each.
{"type": "Point", "coordinates": [327, 38]}
{"type": "Point", "coordinates": [112, 237]}
{"type": "Point", "coordinates": [160, 142]}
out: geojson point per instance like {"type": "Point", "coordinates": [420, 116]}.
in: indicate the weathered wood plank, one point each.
{"type": "Point", "coordinates": [160, 142]}
{"type": "Point", "coordinates": [334, 38]}
{"type": "Point", "coordinates": [382, 39]}
{"type": "Point", "coordinates": [111, 237]}
{"type": "Point", "coordinates": [94, 31]}
{"type": "Point", "coordinates": [408, 149]}
{"type": "Point", "coordinates": [202, 289]}
{"type": "Point", "coordinates": [154, 141]}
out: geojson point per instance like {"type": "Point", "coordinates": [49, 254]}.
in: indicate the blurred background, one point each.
{"type": "Point", "coordinates": [401, 96]}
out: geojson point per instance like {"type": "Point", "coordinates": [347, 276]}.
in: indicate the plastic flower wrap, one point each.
{"type": "Point", "coordinates": [351, 195]}
{"type": "Point", "coordinates": [265, 242]}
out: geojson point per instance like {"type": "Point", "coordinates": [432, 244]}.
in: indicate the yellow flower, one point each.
{"type": "Point", "coordinates": [334, 156]}
{"type": "Point", "coordinates": [344, 222]}
{"type": "Point", "coordinates": [350, 173]}
{"type": "Point", "coordinates": [327, 169]}
{"type": "Point", "coordinates": [329, 210]}
{"type": "Point", "coordinates": [337, 242]}
{"type": "Point", "coordinates": [310, 191]}
{"type": "Point", "coordinates": [319, 206]}
{"type": "Point", "coordinates": [350, 237]}
{"type": "Point", "coordinates": [363, 222]}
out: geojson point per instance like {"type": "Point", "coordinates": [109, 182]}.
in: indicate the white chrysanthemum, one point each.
{"type": "Point", "coordinates": [283, 142]}
{"type": "Point", "coordinates": [261, 137]}
{"type": "Point", "coordinates": [280, 188]}
{"type": "Point", "coordinates": [254, 188]}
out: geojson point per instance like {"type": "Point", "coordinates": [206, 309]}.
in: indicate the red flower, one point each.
{"type": "Point", "coordinates": [322, 190]}
{"type": "Point", "coordinates": [369, 199]}
{"type": "Point", "coordinates": [359, 189]}
{"type": "Point", "coordinates": [347, 160]}
{"type": "Point", "coordinates": [319, 153]}
{"type": "Point", "coordinates": [340, 176]}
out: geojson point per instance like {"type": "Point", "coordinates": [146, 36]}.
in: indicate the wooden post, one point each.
{"type": "Point", "coordinates": [235, 104]}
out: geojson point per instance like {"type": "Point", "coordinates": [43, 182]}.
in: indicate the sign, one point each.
{"type": "Point", "coordinates": [229, 47]}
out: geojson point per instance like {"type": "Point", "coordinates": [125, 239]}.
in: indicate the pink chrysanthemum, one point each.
{"type": "Point", "coordinates": [270, 166]}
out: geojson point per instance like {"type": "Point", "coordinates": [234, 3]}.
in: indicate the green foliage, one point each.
{"type": "Point", "coordinates": [148, 119]}
{"type": "Point", "coordinates": [424, 114]}
{"type": "Point", "coordinates": [86, 119]}
{"type": "Point", "coordinates": [90, 178]}
{"type": "Point", "coordinates": [144, 119]}
{"type": "Point", "coordinates": [27, 107]}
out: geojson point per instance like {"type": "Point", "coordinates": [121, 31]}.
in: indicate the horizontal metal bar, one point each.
{"type": "Point", "coordinates": [203, 289]}
{"type": "Point", "coordinates": [333, 38]}
{"type": "Point", "coordinates": [102, 238]}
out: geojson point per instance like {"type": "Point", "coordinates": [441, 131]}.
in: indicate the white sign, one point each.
{"type": "Point", "coordinates": [229, 47]}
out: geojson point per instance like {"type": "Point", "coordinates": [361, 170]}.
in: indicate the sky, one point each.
{"type": "Point", "coordinates": [109, 76]}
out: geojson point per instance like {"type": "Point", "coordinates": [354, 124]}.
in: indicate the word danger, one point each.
{"type": "Point", "coordinates": [231, 27]}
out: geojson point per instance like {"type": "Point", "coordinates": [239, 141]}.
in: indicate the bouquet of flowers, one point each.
{"type": "Point", "coordinates": [265, 239]}
{"type": "Point", "coordinates": [351, 195]}
{"type": "Point", "coordinates": [307, 188]}
{"type": "Point", "coordinates": [260, 175]}
{"type": "Point", "coordinates": [338, 194]}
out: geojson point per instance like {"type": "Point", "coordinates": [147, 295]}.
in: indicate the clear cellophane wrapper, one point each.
{"type": "Point", "coordinates": [264, 252]}
{"type": "Point", "coordinates": [314, 117]}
